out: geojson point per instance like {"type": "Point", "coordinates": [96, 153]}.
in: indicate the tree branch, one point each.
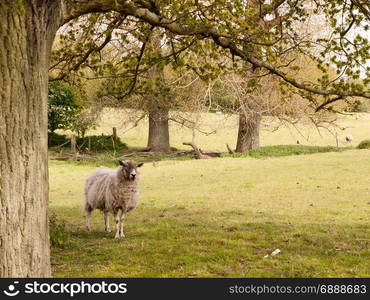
{"type": "Point", "coordinates": [79, 7]}
{"type": "Point", "coordinates": [108, 36]}
{"type": "Point", "coordinates": [322, 105]}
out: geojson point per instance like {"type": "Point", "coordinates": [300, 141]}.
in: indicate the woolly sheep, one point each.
{"type": "Point", "coordinates": [112, 191]}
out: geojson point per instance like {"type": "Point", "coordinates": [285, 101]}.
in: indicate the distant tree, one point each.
{"type": "Point", "coordinates": [62, 106]}
{"type": "Point", "coordinates": [253, 97]}
{"type": "Point", "coordinates": [140, 68]}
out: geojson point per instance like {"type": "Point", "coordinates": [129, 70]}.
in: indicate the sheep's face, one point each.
{"type": "Point", "coordinates": [129, 169]}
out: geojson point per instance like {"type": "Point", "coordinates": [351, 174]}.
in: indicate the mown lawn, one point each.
{"type": "Point", "coordinates": [220, 217]}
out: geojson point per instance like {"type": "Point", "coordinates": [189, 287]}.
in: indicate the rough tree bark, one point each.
{"type": "Point", "coordinates": [158, 137]}
{"type": "Point", "coordinates": [26, 35]}
{"type": "Point", "coordinates": [249, 132]}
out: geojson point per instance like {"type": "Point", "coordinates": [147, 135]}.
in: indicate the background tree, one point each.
{"type": "Point", "coordinates": [26, 35]}
{"type": "Point", "coordinates": [138, 69]}
{"type": "Point", "coordinates": [253, 96]}
{"type": "Point", "coordinates": [157, 100]}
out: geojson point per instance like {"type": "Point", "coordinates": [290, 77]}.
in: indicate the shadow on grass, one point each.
{"type": "Point", "coordinates": [199, 244]}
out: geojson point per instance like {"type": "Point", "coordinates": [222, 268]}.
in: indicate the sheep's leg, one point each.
{"type": "Point", "coordinates": [121, 225]}
{"type": "Point", "coordinates": [88, 216]}
{"type": "Point", "coordinates": [106, 221]}
{"type": "Point", "coordinates": [118, 225]}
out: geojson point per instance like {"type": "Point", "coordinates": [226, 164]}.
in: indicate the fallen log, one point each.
{"type": "Point", "coordinates": [199, 154]}
{"type": "Point", "coordinates": [212, 153]}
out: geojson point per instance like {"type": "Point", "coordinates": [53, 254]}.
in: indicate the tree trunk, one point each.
{"type": "Point", "coordinates": [26, 35]}
{"type": "Point", "coordinates": [249, 132]}
{"type": "Point", "coordinates": [158, 138]}
{"type": "Point", "coordinates": [158, 111]}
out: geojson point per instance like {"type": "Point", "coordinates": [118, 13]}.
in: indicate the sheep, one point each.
{"type": "Point", "coordinates": [112, 191]}
{"type": "Point", "coordinates": [349, 138]}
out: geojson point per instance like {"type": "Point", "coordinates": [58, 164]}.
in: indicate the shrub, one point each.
{"type": "Point", "coordinates": [365, 144]}
{"type": "Point", "coordinates": [59, 235]}
{"type": "Point", "coordinates": [97, 142]}
{"type": "Point", "coordinates": [55, 139]}
{"type": "Point", "coordinates": [62, 106]}
{"type": "Point", "coordinates": [100, 143]}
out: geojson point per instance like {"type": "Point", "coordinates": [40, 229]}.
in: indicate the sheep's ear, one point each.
{"type": "Point", "coordinates": [139, 165]}
{"type": "Point", "coordinates": [123, 163]}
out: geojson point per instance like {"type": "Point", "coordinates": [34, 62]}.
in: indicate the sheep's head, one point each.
{"type": "Point", "coordinates": [129, 169]}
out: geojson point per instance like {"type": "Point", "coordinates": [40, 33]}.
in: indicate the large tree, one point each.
{"type": "Point", "coordinates": [27, 30]}
{"type": "Point", "coordinates": [131, 65]}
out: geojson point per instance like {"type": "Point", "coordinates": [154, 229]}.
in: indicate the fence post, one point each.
{"type": "Point", "coordinates": [115, 133]}
{"type": "Point", "coordinates": [73, 144]}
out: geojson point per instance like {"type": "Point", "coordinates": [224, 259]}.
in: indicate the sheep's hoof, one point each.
{"type": "Point", "coordinates": [88, 229]}
{"type": "Point", "coordinates": [108, 230]}
{"type": "Point", "coordinates": [119, 235]}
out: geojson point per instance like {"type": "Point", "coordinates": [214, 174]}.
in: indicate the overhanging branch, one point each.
{"type": "Point", "coordinates": [201, 30]}
{"type": "Point", "coordinates": [332, 100]}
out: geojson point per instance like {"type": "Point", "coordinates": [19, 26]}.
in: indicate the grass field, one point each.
{"type": "Point", "coordinates": [220, 217]}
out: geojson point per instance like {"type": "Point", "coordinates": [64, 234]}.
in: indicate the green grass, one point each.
{"type": "Point", "coordinates": [287, 150]}
{"type": "Point", "coordinates": [220, 217]}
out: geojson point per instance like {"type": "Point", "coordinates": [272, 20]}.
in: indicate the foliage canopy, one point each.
{"type": "Point", "coordinates": [264, 36]}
